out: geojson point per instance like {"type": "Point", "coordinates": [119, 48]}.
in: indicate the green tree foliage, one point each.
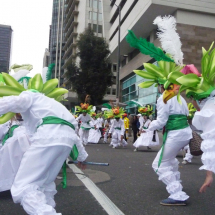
{"type": "Point", "coordinates": [93, 74]}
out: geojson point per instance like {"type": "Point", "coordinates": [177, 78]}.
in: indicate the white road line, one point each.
{"type": "Point", "coordinates": [103, 200]}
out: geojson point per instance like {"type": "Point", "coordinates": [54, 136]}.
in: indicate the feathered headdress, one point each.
{"type": "Point", "coordinates": [146, 110]}
{"type": "Point", "coordinates": [157, 74]}
{"type": "Point", "coordinates": [167, 63]}
{"type": "Point", "coordinates": [197, 86]}
{"type": "Point", "coordinates": [85, 107]}
{"type": "Point", "coordinates": [115, 112]}
{"type": "Point", "coordinates": [169, 38]}
{"type": "Point", "coordinates": [12, 87]}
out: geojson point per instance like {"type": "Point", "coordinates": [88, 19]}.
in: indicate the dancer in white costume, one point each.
{"type": "Point", "coordinates": [51, 128]}
{"type": "Point", "coordinates": [172, 115]}
{"type": "Point", "coordinates": [15, 144]}
{"type": "Point", "coordinates": [94, 133]}
{"type": "Point", "coordinates": [117, 128]}
{"type": "Point", "coordinates": [176, 139]}
{"type": "Point", "coordinates": [107, 125]}
{"type": "Point", "coordinates": [85, 119]}
{"type": "Point", "coordinates": [84, 127]}
{"type": "Point", "coordinates": [51, 144]}
{"type": "Point", "coordinates": [205, 120]}
{"type": "Point", "coordinates": [146, 137]}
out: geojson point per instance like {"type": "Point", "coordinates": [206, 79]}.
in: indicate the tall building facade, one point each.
{"type": "Point", "coordinates": [57, 38]}
{"type": "Point", "coordinates": [195, 25]}
{"type": "Point", "coordinates": [82, 14]}
{"type": "Point", "coordinates": [5, 47]}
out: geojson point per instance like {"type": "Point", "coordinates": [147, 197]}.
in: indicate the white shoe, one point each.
{"type": "Point", "coordinates": [135, 150]}
{"type": "Point", "coordinates": [114, 147]}
{"type": "Point", "coordinates": [184, 162]}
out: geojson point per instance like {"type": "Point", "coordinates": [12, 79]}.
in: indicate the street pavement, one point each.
{"type": "Point", "coordinates": [129, 182]}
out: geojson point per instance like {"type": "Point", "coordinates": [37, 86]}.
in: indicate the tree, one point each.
{"type": "Point", "coordinates": [93, 74]}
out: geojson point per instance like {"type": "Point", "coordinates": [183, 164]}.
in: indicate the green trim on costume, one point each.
{"type": "Point", "coordinates": [86, 129]}
{"type": "Point", "coordinates": [55, 120]}
{"type": "Point", "coordinates": [117, 128]}
{"type": "Point", "coordinates": [175, 122]}
{"type": "Point", "coordinates": [9, 134]}
{"type": "Point", "coordinates": [33, 90]}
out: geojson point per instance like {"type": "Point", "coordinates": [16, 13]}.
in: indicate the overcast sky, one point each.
{"type": "Point", "coordinates": [30, 22]}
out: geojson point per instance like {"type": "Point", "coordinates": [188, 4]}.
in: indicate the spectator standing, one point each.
{"type": "Point", "coordinates": [135, 128]}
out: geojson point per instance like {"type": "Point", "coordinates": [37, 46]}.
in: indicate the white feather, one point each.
{"type": "Point", "coordinates": [20, 74]}
{"type": "Point", "coordinates": [169, 38]}
{"type": "Point", "coordinates": [44, 71]}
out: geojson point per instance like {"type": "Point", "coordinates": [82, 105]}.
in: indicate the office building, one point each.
{"type": "Point", "coordinates": [195, 25]}
{"type": "Point", "coordinates": [5, 47]}
{"type": "Point", "coordinates": [82, 14]}
{"type": "Point", "coordinates": [57, 36]}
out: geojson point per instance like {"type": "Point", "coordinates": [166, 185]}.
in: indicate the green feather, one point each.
{"type": "Point", "coordinates": [49, 72]}
{"type": "Point", "coordinates": [107, 105]}
{"type": "Point", "coordinates": [146, 47]}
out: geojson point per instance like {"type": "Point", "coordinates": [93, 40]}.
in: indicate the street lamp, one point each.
{"type": "Point", "coordinates": [118, 57]}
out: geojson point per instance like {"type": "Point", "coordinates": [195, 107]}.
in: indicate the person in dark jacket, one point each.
{"type": "Point", "coordinates": [135, 123]}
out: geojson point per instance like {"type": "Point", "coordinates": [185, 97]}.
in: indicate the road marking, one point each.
{"type": "Point", "coordinates": [103, 200]}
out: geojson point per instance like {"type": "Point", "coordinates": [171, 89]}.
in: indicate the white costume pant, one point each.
{"type": "Point", "coordinates": [10, 158]}
{"type": "Point", "coordinates": [188, 157]}
{"type": "Point", "coordinates": [106, 136]}
{"type": "Point", "coordinates": [34, 185]}
{"type": "Point", "coordinates": [168, 171]}
{"type": "Point", "coordinates": [116, 139]}
{"type": "Point", "coordinates": [84, 134]}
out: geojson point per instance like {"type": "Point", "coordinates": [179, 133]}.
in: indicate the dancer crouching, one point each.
{"type": "Point", "coordinates": [117, 128]}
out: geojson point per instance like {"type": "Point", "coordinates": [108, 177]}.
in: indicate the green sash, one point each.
{"type": "Point", "coordinates": [118, 128]}
{"type": "Point", "coordinates": [9, 133]}
{"type": "Point", "coordinates": [175, 122]}
{"type": "Point", "coordinates": [74, 151]}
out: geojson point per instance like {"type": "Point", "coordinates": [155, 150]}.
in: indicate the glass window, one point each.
{"type": "Point", "coordinates": [100, 29]}
{"type": "Point", "coordinates": [95, 4]}
{"type": "Point", "coordinates": [108, 91]}
{"type": "Point", "coordinates": [132, 88]}
{"type": "Point", "coordinates": [94, 27]}
{"type": "Point", "coordinates": [125, 91]}
{"type": "Point", "coordinates": [90, 3]}
{"type": "Point", "coordinates": [100, 16]}
{"type": "Point", "coordinates": [100, 5]}
{"type": "Point", "coordinates": [90, 14]}
{"type": "Point", "coordinates": [113, 91]}
{"type": "Point", "coordinates": [94, 16]}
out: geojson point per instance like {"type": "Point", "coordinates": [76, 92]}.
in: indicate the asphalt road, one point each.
{"type": "Point", "coordinates": [129, 182]}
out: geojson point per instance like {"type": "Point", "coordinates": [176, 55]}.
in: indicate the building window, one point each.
{"type": "Point", "coordinates": [89, 25]}
{"type": "Point", "coordinates": [108, 91]}
{"type": "Point", "coordinates": [113, 91]}
{"type": "Point", "coordinates": [95, 28]}
{"type": "Point", "coordinates": [100, 5]}
{"type": "Point", "coordinates": [100, 29]}
{"type": "Point", "coordinates": [90, 14]}
{"type": "Point", "coordinates": [100, 16]}
{"type": "Point", "coordinates": [95, 6]}
{"type": "Point", "coordinates": [94, 16]}
{"type": "Point", "coordinates": [90, 3]}
{"type": "Point", "coordinates": [114, 68]}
